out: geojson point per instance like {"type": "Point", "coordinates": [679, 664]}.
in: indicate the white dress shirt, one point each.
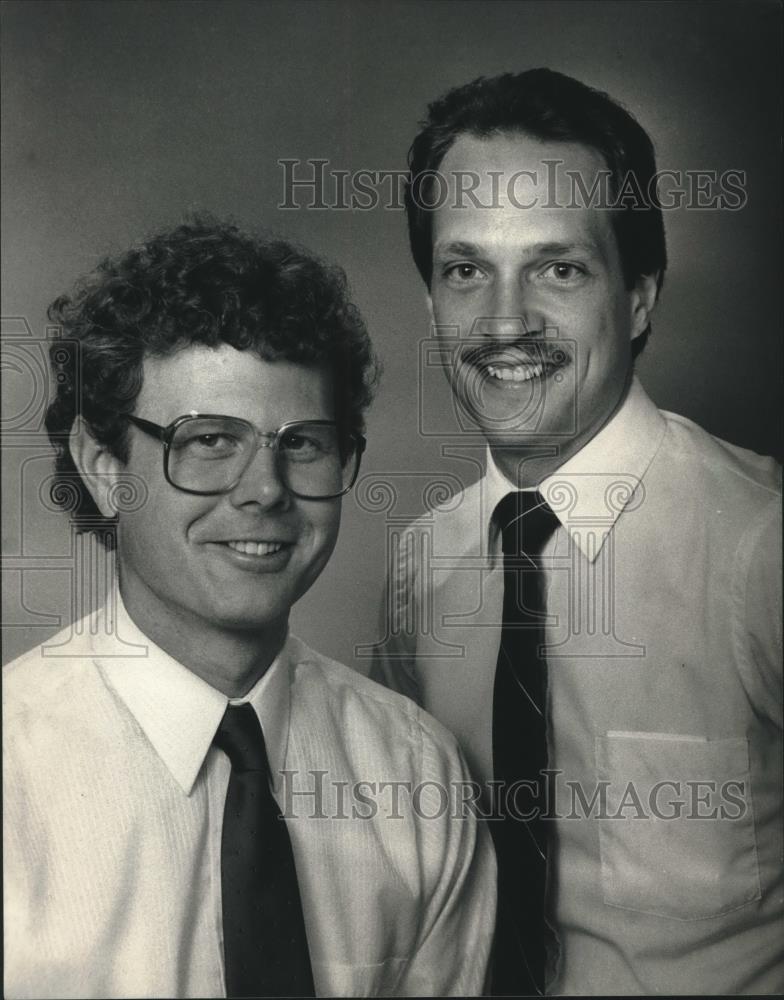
{"type": "Point", "coordinates": [113, 811]}
{"type": "Point", "coordinates": [663, 643]}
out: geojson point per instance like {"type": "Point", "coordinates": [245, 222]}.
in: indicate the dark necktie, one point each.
{"type": "Point", "coordinates": [520, 748]}
{"type": "Point", "coordinates": [264, 941]}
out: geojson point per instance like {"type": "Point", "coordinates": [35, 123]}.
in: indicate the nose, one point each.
{"type": "Point", "coordinates": [261, 484]}
{"type": "Point", "coordinates": [510, 312]}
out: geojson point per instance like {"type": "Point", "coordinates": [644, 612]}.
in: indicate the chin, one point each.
{"type": "Point", "coordinates": [255, 618]}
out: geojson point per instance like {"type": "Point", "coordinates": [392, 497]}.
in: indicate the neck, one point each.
{"type": "Point", "coordinates": [231, 661]}
{"type": "Point", "coordinates": [528, 464]}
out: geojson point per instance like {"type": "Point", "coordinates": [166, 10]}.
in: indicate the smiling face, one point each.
{"type": "Point", "coordinates": [535, 293]}
{"type": "Point", "coordinates": [236, 562]}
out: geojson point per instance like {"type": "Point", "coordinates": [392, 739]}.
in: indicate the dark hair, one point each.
{"type": "Point", "coordinates": [204, 282]}
{"type": "Point", "coordinates": [549, 106]}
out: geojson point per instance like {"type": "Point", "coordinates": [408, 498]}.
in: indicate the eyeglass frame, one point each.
{"type": "Point", "coordinates": [166, 436]}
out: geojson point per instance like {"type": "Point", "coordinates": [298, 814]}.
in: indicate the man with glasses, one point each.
{"type": "Point", "coordinates": [196, 803]}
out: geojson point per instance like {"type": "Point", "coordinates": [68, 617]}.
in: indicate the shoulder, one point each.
{"type": "Point", "coordinates": [735, 496]}
{"type": "Point", "coordinates": [392, 722]}
{"type": "Point", "coordinates": [39, 677]}
{"type": "Point", "coordinates": [455, 525]}
{"type": "Point", "coordinates": [731, 490]}
{"type": "Point", "coordinates": [47, 703]}
{"type": "Point", "coordinates": [451, 507]}
{"type": "Point", "coordinates": [49, 693]}
{"type": "Point", "coordinates": [738, 472]}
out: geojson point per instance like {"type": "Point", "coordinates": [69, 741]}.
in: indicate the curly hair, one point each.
{"type": "Point", "coordinates": [204, 282]}
{"type": "Point", "coordinates": [549, 106]}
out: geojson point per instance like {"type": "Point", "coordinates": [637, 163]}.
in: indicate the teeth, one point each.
{"type": "Point", "coordinates": [256, 548]}
{"type": "Point", "coordinates": [520, 373]}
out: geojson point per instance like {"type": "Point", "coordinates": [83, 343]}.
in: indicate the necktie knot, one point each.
{"type": "Point", "coordinates": [526, 521]}
{"type": "Point", "coordinates": [241, 738]}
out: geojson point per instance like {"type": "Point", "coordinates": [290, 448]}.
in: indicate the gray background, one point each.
{"type": "Point", "coordinates": [119, 117]}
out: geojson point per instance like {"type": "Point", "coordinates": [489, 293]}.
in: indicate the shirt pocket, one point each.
{"type": "Point", "coordinates": [677, 839]}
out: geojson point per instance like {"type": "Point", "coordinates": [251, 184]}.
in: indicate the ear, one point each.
{"type": "Point", "coordinates": [429, 304]}
{"type": "Point", "coordinates": [97, 466]}
{"type": "Point", "coordinates": [445, 353]}
{"type": "Point", "coordinates": [644, 295]}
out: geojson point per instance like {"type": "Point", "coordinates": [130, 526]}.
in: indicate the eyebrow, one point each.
{"type": "Point", "coordinates": [459, 248]}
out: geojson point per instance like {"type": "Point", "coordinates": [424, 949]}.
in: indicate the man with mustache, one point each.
{"type": "Point", "coordinates": [196, 804]}
{"type": "Point", "coordinates": [598, 617]}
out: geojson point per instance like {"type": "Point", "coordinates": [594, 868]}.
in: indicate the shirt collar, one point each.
{"type": "Point", "coordinates": [178, 711]}
{"type": "Point", "coordinates": [591, 489]}
{"type": "Point", "coordinates": [270, 697]}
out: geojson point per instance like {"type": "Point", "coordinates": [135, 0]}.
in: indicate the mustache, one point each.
{"type": "Point", "coordinates": [523, 351]}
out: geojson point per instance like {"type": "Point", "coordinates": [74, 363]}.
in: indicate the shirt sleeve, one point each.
{"type": "Point", "coordinates": [455, 934]}
{"type": "Point", "coordinates": [394, 658]}
{"type": "Point", "coordinates": [759, 613]}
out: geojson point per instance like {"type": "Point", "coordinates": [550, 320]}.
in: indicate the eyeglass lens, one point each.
{"type": "Point", "coordinates": [210, 454]}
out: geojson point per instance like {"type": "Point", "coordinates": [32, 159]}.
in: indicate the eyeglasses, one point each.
{"type": "Point", "coordinates": [207, 454]}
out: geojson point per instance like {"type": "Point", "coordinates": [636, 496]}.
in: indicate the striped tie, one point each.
{"type": "Point", "coordinates": [520, 748]}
